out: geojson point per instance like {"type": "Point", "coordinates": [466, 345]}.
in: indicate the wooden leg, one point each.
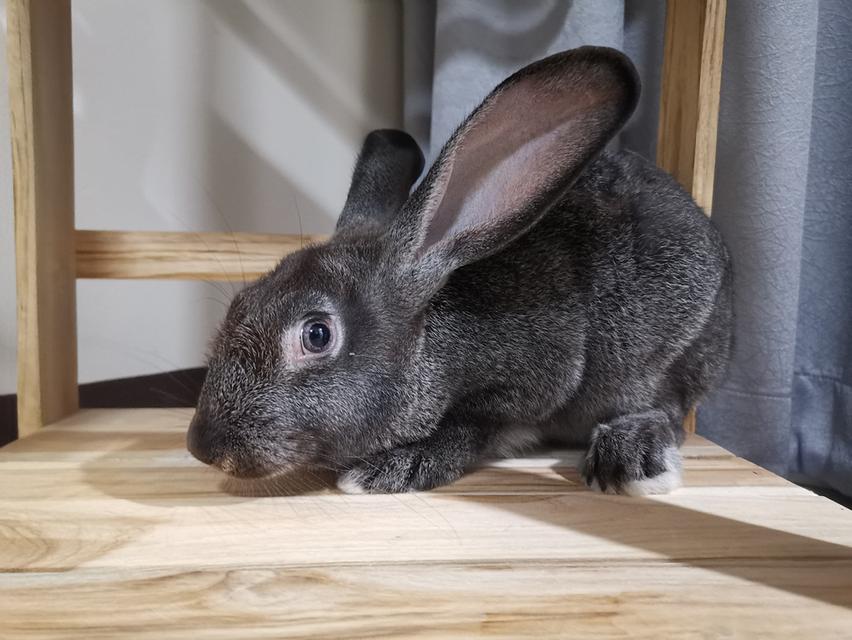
{"type": "Point", "coordinates": [689, 100]}
{"type": "Point", "coordinates": [689, 421]}
{"type": "Point", "coordinates": [689, 94]}
{"type": "Point", "coordinates": [40, 99]}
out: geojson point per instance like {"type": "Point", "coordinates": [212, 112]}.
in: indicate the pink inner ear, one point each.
{"type": "Point", "coordinates": [519, 146]}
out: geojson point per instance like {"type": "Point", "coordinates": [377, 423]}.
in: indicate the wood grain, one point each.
{"type": "Point", "coordinates": [39, 61]}
{"type": "Point", "coordinates": [182, 255]}
{"type": "Point", "coordinates": [689, 94]}
{"type": "Point", "coordinates": [107, 507]}
{"type": "Point", "coordinates": [689, 100]}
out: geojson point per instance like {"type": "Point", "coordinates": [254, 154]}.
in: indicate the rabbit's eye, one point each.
{"type": "Point", "coordinates": [316, 336]}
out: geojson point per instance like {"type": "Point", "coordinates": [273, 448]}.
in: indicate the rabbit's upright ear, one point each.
{"type": "Point", "coordinates": [389, 163]}
{"type": "Point", "coordinates": [514, 156]}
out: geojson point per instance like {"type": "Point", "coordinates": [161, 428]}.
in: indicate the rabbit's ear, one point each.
{"type": "Point", "coordinates": [514, 156]}
{"type": "Point", "coordinates": [389, 163]}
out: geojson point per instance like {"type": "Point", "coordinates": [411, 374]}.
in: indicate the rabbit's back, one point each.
{"type": "Point", "coordinates": [652, 263]}
{"type": "Point", "coordinates": [597, 306]}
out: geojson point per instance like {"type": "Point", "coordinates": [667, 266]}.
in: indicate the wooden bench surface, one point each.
{"type": "Point", "coordinates": [108, 528]}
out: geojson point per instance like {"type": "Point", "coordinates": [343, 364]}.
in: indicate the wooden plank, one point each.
{"type": "Point", "coordinates": [128, 444]}
{"type": "Point", "coordinates": [40, 100]}
{"type": "Point", "coordinates": [422, 600]}
{"type": "Point", "coordinates": [181, 255]}
{"type": "Point", "coordinates": [122, 514]}
{"type": "Point", "coordinates": [689, 94]}
{"type": "Point", "coordinates": [689, 100]}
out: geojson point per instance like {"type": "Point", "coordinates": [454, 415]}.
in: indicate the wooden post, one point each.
{"type": "Point", "coordinates": [689, 100]}
{"type": "Point", "coordinates": [40, 100]}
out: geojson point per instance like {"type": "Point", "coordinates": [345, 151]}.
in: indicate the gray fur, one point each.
{"type": "Point", "coordinates": [596, 309]}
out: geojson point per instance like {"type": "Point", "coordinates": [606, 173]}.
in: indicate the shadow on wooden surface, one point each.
{"type": "Point", "coordinates": [762, 555]}
{"type": "Point", "coordinates": [797, 564]}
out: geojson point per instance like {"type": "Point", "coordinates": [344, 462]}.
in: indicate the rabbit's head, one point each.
{"type": "Point", "coordinates": [321, 361]}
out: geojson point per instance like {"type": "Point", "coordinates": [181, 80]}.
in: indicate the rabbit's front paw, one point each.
{"type": "Point", "coordinates": [633, 455]}
{"type": "Point", "coordinates": [399, 470]}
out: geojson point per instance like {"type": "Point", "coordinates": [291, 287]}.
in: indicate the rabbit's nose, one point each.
{"type": "Point", "coordinates": [201, 440]}
{"type": "Point", "coordinates": [205, 440]}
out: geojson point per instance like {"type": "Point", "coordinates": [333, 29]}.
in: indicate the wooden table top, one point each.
{"type": "Point", "coordinates": [108, 528]}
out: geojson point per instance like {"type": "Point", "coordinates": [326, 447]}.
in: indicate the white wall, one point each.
{"type": "Point", "coordinates": [206, 116]}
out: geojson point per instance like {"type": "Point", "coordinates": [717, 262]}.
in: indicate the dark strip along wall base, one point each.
{"type": "Point", "coordinates": [169, 389]}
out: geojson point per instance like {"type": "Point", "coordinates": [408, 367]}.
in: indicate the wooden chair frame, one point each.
{"type": "Point", "coordinates": [51, 253]}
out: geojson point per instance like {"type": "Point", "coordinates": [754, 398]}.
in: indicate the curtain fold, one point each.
{"type": "Point", "coordinates": [759, 203]}
{"type": "Point", "coordinates": [783, 195]}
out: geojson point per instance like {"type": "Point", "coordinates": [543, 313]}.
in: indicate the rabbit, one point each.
{"type": "Point", "coordinates": [533, 286]}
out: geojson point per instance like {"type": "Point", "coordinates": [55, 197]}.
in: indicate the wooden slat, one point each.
{"type": "Point", "coordinates": [689, 94]}
{"type": "Point", "coordinates": [39, 59]}
{"type": "Point", "coordinates": [182, 256]}
{"type": "Point", "coordinates": [108, 507]}
{"type": "Point", "coordinates": [498, 600]}
{"type": "Point", "coordinates": [689, 100]}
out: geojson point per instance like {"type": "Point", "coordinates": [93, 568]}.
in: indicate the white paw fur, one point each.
{"type": "Point", "coordinates": [667, 481]}
{"type": "Point", "coordinates": [349, 483]}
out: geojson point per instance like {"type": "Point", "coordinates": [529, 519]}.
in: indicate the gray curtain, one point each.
{"type": "Point", "coordinates": [783, 196]}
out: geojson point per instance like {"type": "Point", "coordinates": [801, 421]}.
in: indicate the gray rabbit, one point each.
{"type": "Point", "coordinates": [533, 286]}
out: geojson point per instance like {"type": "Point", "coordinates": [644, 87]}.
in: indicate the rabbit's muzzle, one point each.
{"type": "Point", "coordinates": [204, 441]}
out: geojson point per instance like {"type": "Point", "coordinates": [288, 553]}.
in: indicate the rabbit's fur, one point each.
{"type": "Point", "coordinates": [532, 287]}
